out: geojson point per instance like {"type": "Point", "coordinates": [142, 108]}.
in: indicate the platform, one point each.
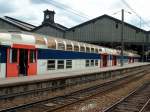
{"type": "Point", "coordinates": [39, 87]}
{"type": "Point", "coordinates": [61, 75]}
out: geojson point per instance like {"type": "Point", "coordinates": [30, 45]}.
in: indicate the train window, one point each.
{"type": "Point", "coordinates": [76, 48]}
{"type": "Point", "coordinates": [68, 63]}
{"type": "Point", "coordinates": [92, 50]}
{"type": "Point", "coordinates": [69, 47]}
{"type": "Point", "coordinates": [51, 64]}
{"type": "Point", "coordinates": [87, 63]}
{"type": "Point", "coordinates": [13, 55]}
{"type": "Point", "coordinates": [0, 56]}
{"type": "Point", "coordinates": [100, 50]}
{"type": "Point", "coordinates": [40, 40]}
{"type": "Point", "coordinates": [96, 62]}
{"type": "Point", "coordinates": [51, 43]}
{"type": "Point", "coordinates": [60, 64]}
{"type": "Point", "coordinates": [61, 46]}
{"type": "Point", "coordinates": [82, 49]}
{"type": "Point", "coordinates": [96, 50]}
{"type": "Point", "coordinates": [32, 56]}
{"type": "Point", "coordinates": [87, 49]}
{"type": "Point", "coordinates": [92, 62]}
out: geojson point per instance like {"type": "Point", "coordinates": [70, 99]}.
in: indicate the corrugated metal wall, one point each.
{"type": "Point", "coordinates": [105, 30]}
{"type": "Point", "coordinates": [46, 30]}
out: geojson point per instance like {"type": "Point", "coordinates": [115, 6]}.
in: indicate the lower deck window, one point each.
{"type": "Point", "coordinates": [92, 62]}
{"type": "Point", "coordinates": [51, 64]}
{"type": "Point", "coordinates": [60, 64]}
{"type": "Point", "coordinates": [0, 56]}
{"type": "Point", "coordinates": [96, 62]}
{"type": "Point", "coordinates": [68, 63]}
{"type": "Point", "coordinates": [87, 63]}
{"type": "Point", "coordinates": [32, 56]}
{"type": "Point", "coordinates": [13, 55]}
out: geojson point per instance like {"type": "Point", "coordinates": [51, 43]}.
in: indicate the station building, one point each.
{"type": "Point", "coordinates": [103, 30]}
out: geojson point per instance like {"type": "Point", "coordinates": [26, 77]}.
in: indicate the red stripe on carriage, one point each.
{"type": "Point", "coordinates": [22, 46]}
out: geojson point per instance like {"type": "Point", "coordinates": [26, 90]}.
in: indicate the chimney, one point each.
{"type": "Point", "coordinates": [48, 17]}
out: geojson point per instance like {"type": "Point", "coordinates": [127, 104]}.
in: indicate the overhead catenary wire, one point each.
{"type": "Point", "coordinates": [143, 21]}
{"type": "Point", "coordinates": [67, 8]}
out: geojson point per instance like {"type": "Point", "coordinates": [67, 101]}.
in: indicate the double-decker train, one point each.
{"type": "Point", "coordinates": [33, 54]}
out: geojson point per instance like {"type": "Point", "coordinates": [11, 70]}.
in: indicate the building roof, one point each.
{"type": "Point", "coordinates": [54, 25]}
{"type": "Point", "coordinates": [29, 27]}
{"type": "Point", "coordinates": [17, 23]}
{"type": "Point", "coordinates": [105, 16]}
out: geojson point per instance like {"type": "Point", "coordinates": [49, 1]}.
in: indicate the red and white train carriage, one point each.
{"type": "Point", "coordinates": [33, 54]}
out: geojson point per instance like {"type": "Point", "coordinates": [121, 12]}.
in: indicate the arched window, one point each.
{"type": "Point", "coordinates": [76, 48]}
{"type": "Point", "coordinates": [61, 46]}
{"type": "Point", "coordinates": [51, 43]}
{"type": "Point", "coordinates": [82, 48]}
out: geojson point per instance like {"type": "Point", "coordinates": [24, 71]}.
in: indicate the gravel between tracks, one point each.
{"type": "Point", "coordinates": [100, 102]}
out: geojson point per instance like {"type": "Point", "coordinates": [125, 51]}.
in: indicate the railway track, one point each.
{"type": "Point", "coordinates": [137, 101]}
{"type": "Point", "coordinates": [56, 103]}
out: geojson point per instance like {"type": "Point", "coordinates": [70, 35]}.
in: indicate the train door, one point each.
{"type": "Point", "coordinates": [27, 62]}
{"type": "Point", "coordinates": [114, 60]}
{"type": "Point", "coordinates": [32, 62]}
{"type": "Point", "coordinates": [130, 59]}
{"type": "Point", "coordinates": [23, 62]}
{"type": "Point", "coordinates": [100, 63]}
{"type": "Point", "coordinates": [104, 60]}
{"type": "Point", "coordinates": [12, 66]}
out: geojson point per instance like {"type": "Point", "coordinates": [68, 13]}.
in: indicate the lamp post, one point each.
{"type": "Point", "coordinates": [143, 42]}
{"type": "Point", "coordinates": [122, 37]}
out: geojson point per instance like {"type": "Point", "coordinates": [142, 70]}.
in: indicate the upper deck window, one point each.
{"type": "Point", "coordinates": [100, 50]}
{"type": "Point", "coordinates": [87, 49]}
{"type": "Point", "coordinates": [51, 43]}
{"type": "Point", "coordinates": [61, 46]}
{"type": "Point", "coordinates": [96, 50]}
{"type": "Point", "coordinates": [92, 50]}
{"type": "Point", "coordinates": [76, 48]}
{"type": "Point", "coordinates": [40, 40]}
{"type": "Point", "coordinates": [82, 49]}
{"type": "Point", "coordinates": [69, 47]}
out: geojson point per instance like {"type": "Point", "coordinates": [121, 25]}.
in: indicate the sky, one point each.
{"type": "Point", "coordinates": [73, 12]}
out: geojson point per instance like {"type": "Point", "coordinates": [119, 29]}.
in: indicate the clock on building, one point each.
{"type": "Point", "coordinates": [47, 16]}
